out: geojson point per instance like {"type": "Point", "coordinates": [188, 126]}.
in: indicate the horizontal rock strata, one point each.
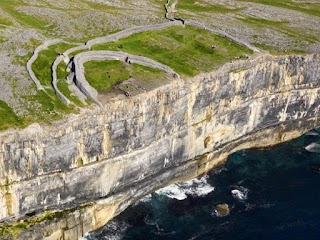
{"type": "Point", "coordinates": [105, 159]}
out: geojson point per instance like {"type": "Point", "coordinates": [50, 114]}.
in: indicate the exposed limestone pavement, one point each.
{"type": "Point", "coordinates": [223, 34]}
{"type": "Point", "coordinates": [170, 8]}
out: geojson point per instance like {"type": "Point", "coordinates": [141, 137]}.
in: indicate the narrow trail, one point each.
{"type": "Point", "coordinates": [77, 74]}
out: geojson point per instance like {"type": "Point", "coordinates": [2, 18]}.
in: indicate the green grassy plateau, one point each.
{"type": "Point", "coordinates": [187, 50]}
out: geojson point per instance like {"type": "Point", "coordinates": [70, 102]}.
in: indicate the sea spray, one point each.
{"type": "Point", "coordinates": [194, 187]}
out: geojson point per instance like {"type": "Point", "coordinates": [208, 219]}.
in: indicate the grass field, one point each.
{"type": "Point", "coordinates": [64, 89]}
{"type": "Point", "coordinates": [45, 106]}
{"type": "Point", "coordinates": [186, 50]}
{"type": "Point", "coordinates": [280, 26]}
{"type": "Point", "coordinates": [102, 75]}
{"type": "Point", "coordinates": [8, 118]}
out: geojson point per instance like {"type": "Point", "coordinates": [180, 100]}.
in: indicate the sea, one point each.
{"type": "Point", "coordinates": [272, 194]}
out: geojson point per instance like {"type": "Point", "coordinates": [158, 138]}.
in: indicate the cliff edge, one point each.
{"type": "Point", "coordinates": [86, 170]}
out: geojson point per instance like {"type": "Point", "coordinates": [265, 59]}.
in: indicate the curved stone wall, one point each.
{"type": "Point", "coordinates": [55, 80]}
{"type": "Point", "coordinates": [81, 58]}
{"type": "Point", "coordinates": [34, 57]}
{"type": "Point", "coordinates": [127, 32]}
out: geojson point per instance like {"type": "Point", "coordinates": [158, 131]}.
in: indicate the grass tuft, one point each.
{"type": "Point", "coordinates": [8, 118]}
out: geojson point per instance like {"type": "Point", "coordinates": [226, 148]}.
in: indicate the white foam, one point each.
{"type": "Point", "coordinates": [194, 187]}
{"type": "Point", "coordinates": [172, 191]}
{"type": "Point", "coordinates": [313, 147]}
{"type": "Point", "coordinates": [240, 193]}
{"type": "Point", "coordinates": [85, 237]}
{"type": "Point", "coordinates": [312, 133]}
{"type": "Point", "coordinates": [114, 230]}
{"type": "Point", "coordinates": [146, 198]}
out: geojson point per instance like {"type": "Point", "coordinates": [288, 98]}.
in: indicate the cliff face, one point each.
{"type": "Point", "coordinates": [106, 159]}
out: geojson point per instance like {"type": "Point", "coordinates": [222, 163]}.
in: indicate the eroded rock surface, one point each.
{"type": "Point", "coordinates": [106, 159]}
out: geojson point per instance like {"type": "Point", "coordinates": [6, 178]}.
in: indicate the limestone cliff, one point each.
{"type": "Point", "coordinates": [105, 159]}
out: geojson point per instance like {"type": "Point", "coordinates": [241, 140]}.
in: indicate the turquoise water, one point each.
{"type": "Point", "coordinates": [283, 200]}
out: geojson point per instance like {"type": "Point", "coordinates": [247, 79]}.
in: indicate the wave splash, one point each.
{"type": "Point", "coordinates": [194, 187]}
{"type": "Point", "coordinates": [114, 230]}
{"type": "Point", "coordinates": [240, 193]}
{"type": "Point", "coordinates": [313, 147]}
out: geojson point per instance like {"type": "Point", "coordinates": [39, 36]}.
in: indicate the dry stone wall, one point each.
{"type": "Point", "coordinates": [79, 71]}
{"type": "Point", "coordinates": [34, 57]}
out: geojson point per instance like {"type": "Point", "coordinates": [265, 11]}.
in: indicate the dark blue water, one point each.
{"type": "Point", "coordinates": [283, 201]}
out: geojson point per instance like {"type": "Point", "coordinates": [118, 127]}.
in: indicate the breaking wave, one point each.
{"type": "Point", "coordinates": [114, 230]}
{"type": "Point", "coordinates": [146, 198]}
{"type": "Point", "coordinates": [313, 147]}
{"type": "Point", "coordinates": [240, 193]}
{"type": "Point", "coordinates": [194, 187]}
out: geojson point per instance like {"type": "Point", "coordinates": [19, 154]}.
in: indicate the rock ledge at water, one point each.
{"type": "Point", "coordinates": [222, 210]}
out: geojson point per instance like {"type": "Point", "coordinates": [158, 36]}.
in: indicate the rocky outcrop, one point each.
{"type": "Point", "coordinates": [101, 161]}
{"type": "Point", "coordinates": [170, 8]}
